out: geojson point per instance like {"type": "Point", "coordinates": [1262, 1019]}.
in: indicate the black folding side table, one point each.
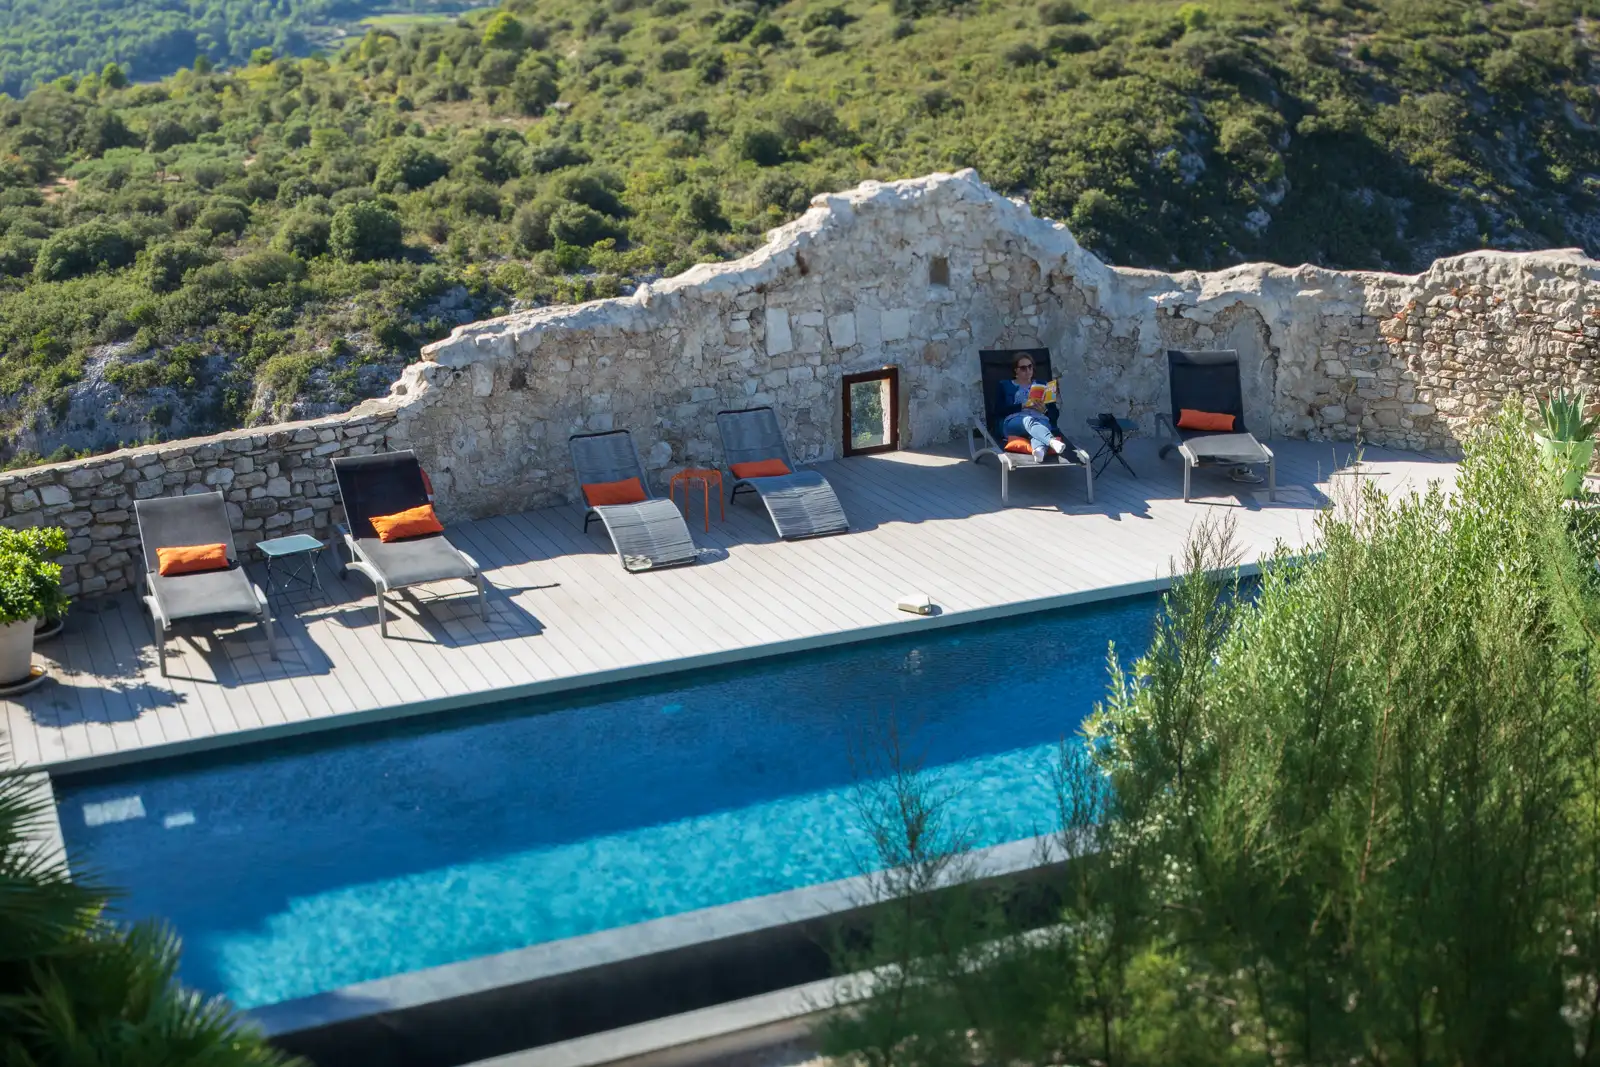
{"type": "Point", "coordinates": [1112, 436]}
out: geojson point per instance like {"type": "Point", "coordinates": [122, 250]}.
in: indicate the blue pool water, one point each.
{"type": "Point", "coordinates": [298, 867]}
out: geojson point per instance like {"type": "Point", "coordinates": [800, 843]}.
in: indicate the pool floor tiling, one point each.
{"type": "Point", "coordinates": [563, 612]}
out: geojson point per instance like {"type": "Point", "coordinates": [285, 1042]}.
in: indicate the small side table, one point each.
{"type": "Point", "coordinates": [705, 476]}
{"type": "Point", "coordinates": [295, 557]}
{"type": "Point", "coordinates": [1112, 437]}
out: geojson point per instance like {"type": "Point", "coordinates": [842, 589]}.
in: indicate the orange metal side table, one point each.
{"type": "Point", "coordinates": [705, 476]}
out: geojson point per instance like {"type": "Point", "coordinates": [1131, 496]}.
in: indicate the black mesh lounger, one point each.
{"type": "Point", "coordinates": [383, 485]}
{"type": "Point", "coordinates": [196, 519]}
{"type": "Point", "coordinates": [1209, 381]}
{"type": "Point", "coordinates": [802, 504]}
{"type": "Point", "coordinates": [646, 535]}
{"type": "Point", "coordinates": [985, 437]}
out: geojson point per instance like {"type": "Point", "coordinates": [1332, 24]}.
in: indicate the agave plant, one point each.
{"type": "Point", "coordinates": [1562, 418]}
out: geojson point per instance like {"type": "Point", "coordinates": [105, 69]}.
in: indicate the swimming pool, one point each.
{"type": "Point", "coordinates": [294, 868]}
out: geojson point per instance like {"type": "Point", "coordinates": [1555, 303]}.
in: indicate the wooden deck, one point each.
{"type": "Point", "coordinates": [563, 612]}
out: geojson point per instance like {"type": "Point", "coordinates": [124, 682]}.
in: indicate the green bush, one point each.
{"type": "Point", "coordinates": [85, 248]}
{"type": "Point", "coordinates": [166, 263]}
{"type": "Point", "coordinates": [223, 217]}
{"type": "Point", "coordinates": [410, 165]}
{"type": "Point", "coordinates": [580, 225]}
{"type": "Point", "coordinates": [362, 232]}
{"type": "Point", "coordinates": [503, 31]}
{"type": "Point", "coordinates": [761, 145]}
{"type": "Point", "coordinates": [1349, 817]}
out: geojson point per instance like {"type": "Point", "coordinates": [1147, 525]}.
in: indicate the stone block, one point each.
{"type": "Point", "coordinates": [26, 500]}
{"type": "Point", "coordinates": [81, 478]}
{"type": "Point", "coordinates": [218, 477]}
{"type": "Point", "coordinates": [842, 330]}
{"type": "Point", "coordinates": [779, 339]}
{"type": "Point", "coordinates": [53, 495]}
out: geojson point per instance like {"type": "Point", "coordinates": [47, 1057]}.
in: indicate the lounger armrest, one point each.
{"type": "Point", "coordinates": [261, 598]}
{"type": "Point", "coordinates": [470, 561]}
{"type": "Point", "coordinates": [978, 431]}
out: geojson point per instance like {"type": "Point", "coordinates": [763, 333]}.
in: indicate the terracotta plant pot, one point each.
{"type": "Point", "coordinates": [1571, 460]}
{"type": "Point", "coordinates": [16, 651]}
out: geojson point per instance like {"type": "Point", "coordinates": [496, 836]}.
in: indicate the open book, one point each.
{"type": "Point", "coordinates": [1042, 394]}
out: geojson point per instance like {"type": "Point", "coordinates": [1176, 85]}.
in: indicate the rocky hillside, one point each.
{"type": "Point", "coordinates": [234, 246]}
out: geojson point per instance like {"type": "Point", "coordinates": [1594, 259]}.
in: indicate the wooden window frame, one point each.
{"type": "Point", "coordinates": [891, 374]}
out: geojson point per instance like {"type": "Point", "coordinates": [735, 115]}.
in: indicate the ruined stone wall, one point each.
{"type": "Point", "coordinates": [277, 481]}
{"type": "Point", "coordinates": [920, 275]}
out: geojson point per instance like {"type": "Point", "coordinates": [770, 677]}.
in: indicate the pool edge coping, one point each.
{"type": "Point", "coordinates": [617, 945]}
{"type": "Point", "coordinates": [634, 672]}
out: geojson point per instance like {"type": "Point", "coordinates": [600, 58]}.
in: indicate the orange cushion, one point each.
{"type": "Point", "coordinates": [1190, 419]}
{"type": "Point", "coordinates": [188, 559]}
{"type": "Point", "coordinates": [761, 468]}
{"type": "Point", "coordinates": [1019, 444]}
{"type": "Point", "coordinates": [412, 522]}
{"type": "Point", "coordinates": [627, 491]}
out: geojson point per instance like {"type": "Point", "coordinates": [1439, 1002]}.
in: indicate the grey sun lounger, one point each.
{"type": "Point", "coordinates": [1209, 381]}
{"type": "Point", "coordinates": [985, 437]}
{"type": "Point", "coordinates": [383, 485]}
{"type": "Point", "coordinates": [802, 503]}
{"type": "Point", "coordinates": [196, 519]}
{"type": "Point", "coordinates": [646, 535]}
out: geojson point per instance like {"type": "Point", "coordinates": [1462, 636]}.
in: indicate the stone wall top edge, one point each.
{"type": "Point", "coordinates": [367, 410]}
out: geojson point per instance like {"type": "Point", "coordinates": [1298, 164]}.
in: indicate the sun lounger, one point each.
{"type": "Point", "coordinates": [647, 533]}
{"type": "Point", "coordinates": [196, 519]}
{"type": "Point", "coordinates": [386, 485]}
{"type": "Point", "coordinates": [985, 438]}
{"type": "Point", "coordinates": [1209, 382]}
{"type": "Point", "coordinates": [801, 503]}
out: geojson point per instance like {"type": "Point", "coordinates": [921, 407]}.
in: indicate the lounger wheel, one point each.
{"type": "Point", "coordinates": [1166, 450]}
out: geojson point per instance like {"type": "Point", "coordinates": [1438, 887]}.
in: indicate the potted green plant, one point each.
{"type": "Point", "coordinates": [1566, 435]}
{"type": "Point", "coordinates": [30, 590]}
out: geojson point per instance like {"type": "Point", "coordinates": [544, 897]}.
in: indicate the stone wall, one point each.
{"type": "Point", "coordinates": [277, 481]}
{"type": "Point", "coordinates": [1406, 361]}
{"type": "Point", "coordinates": [920, 275]}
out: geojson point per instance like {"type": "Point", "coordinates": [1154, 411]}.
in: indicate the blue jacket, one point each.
{"type": "Point", "coordinates": [1008, 401]}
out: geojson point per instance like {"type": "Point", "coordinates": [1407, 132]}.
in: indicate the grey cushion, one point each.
{"type": "Point", "coordinates": [189, 596]}
{"type": "Point", "coordinates": [1226, 447]}
{"type": "Point", "coordinates": [415, 560]}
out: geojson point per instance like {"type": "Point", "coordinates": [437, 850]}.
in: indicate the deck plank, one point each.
{"type": "Point", "coordinates": [562, 608]}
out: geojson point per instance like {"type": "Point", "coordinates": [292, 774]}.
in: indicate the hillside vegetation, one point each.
{"type": "Point", "coordinates": [227, 247]}
{"type": "Point", "coordinates": [41, 40]}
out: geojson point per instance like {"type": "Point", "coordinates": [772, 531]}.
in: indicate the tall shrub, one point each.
{"type": "Point", "coordinates": [1350, 817]}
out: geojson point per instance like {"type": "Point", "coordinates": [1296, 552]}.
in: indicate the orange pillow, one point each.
{"type": "Point", "coordinates": [1019, 445]}
{"type": "Point", "coordinates": [190, 559]}
{"type": "Point", "coordinates": [627, 491]}
{"type": "Point", "coordinates": [1190, 419]}
{"type": "Point", "coordinates": [761, 468]}
{"type": "Point", "coordinates": [412, 522]}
